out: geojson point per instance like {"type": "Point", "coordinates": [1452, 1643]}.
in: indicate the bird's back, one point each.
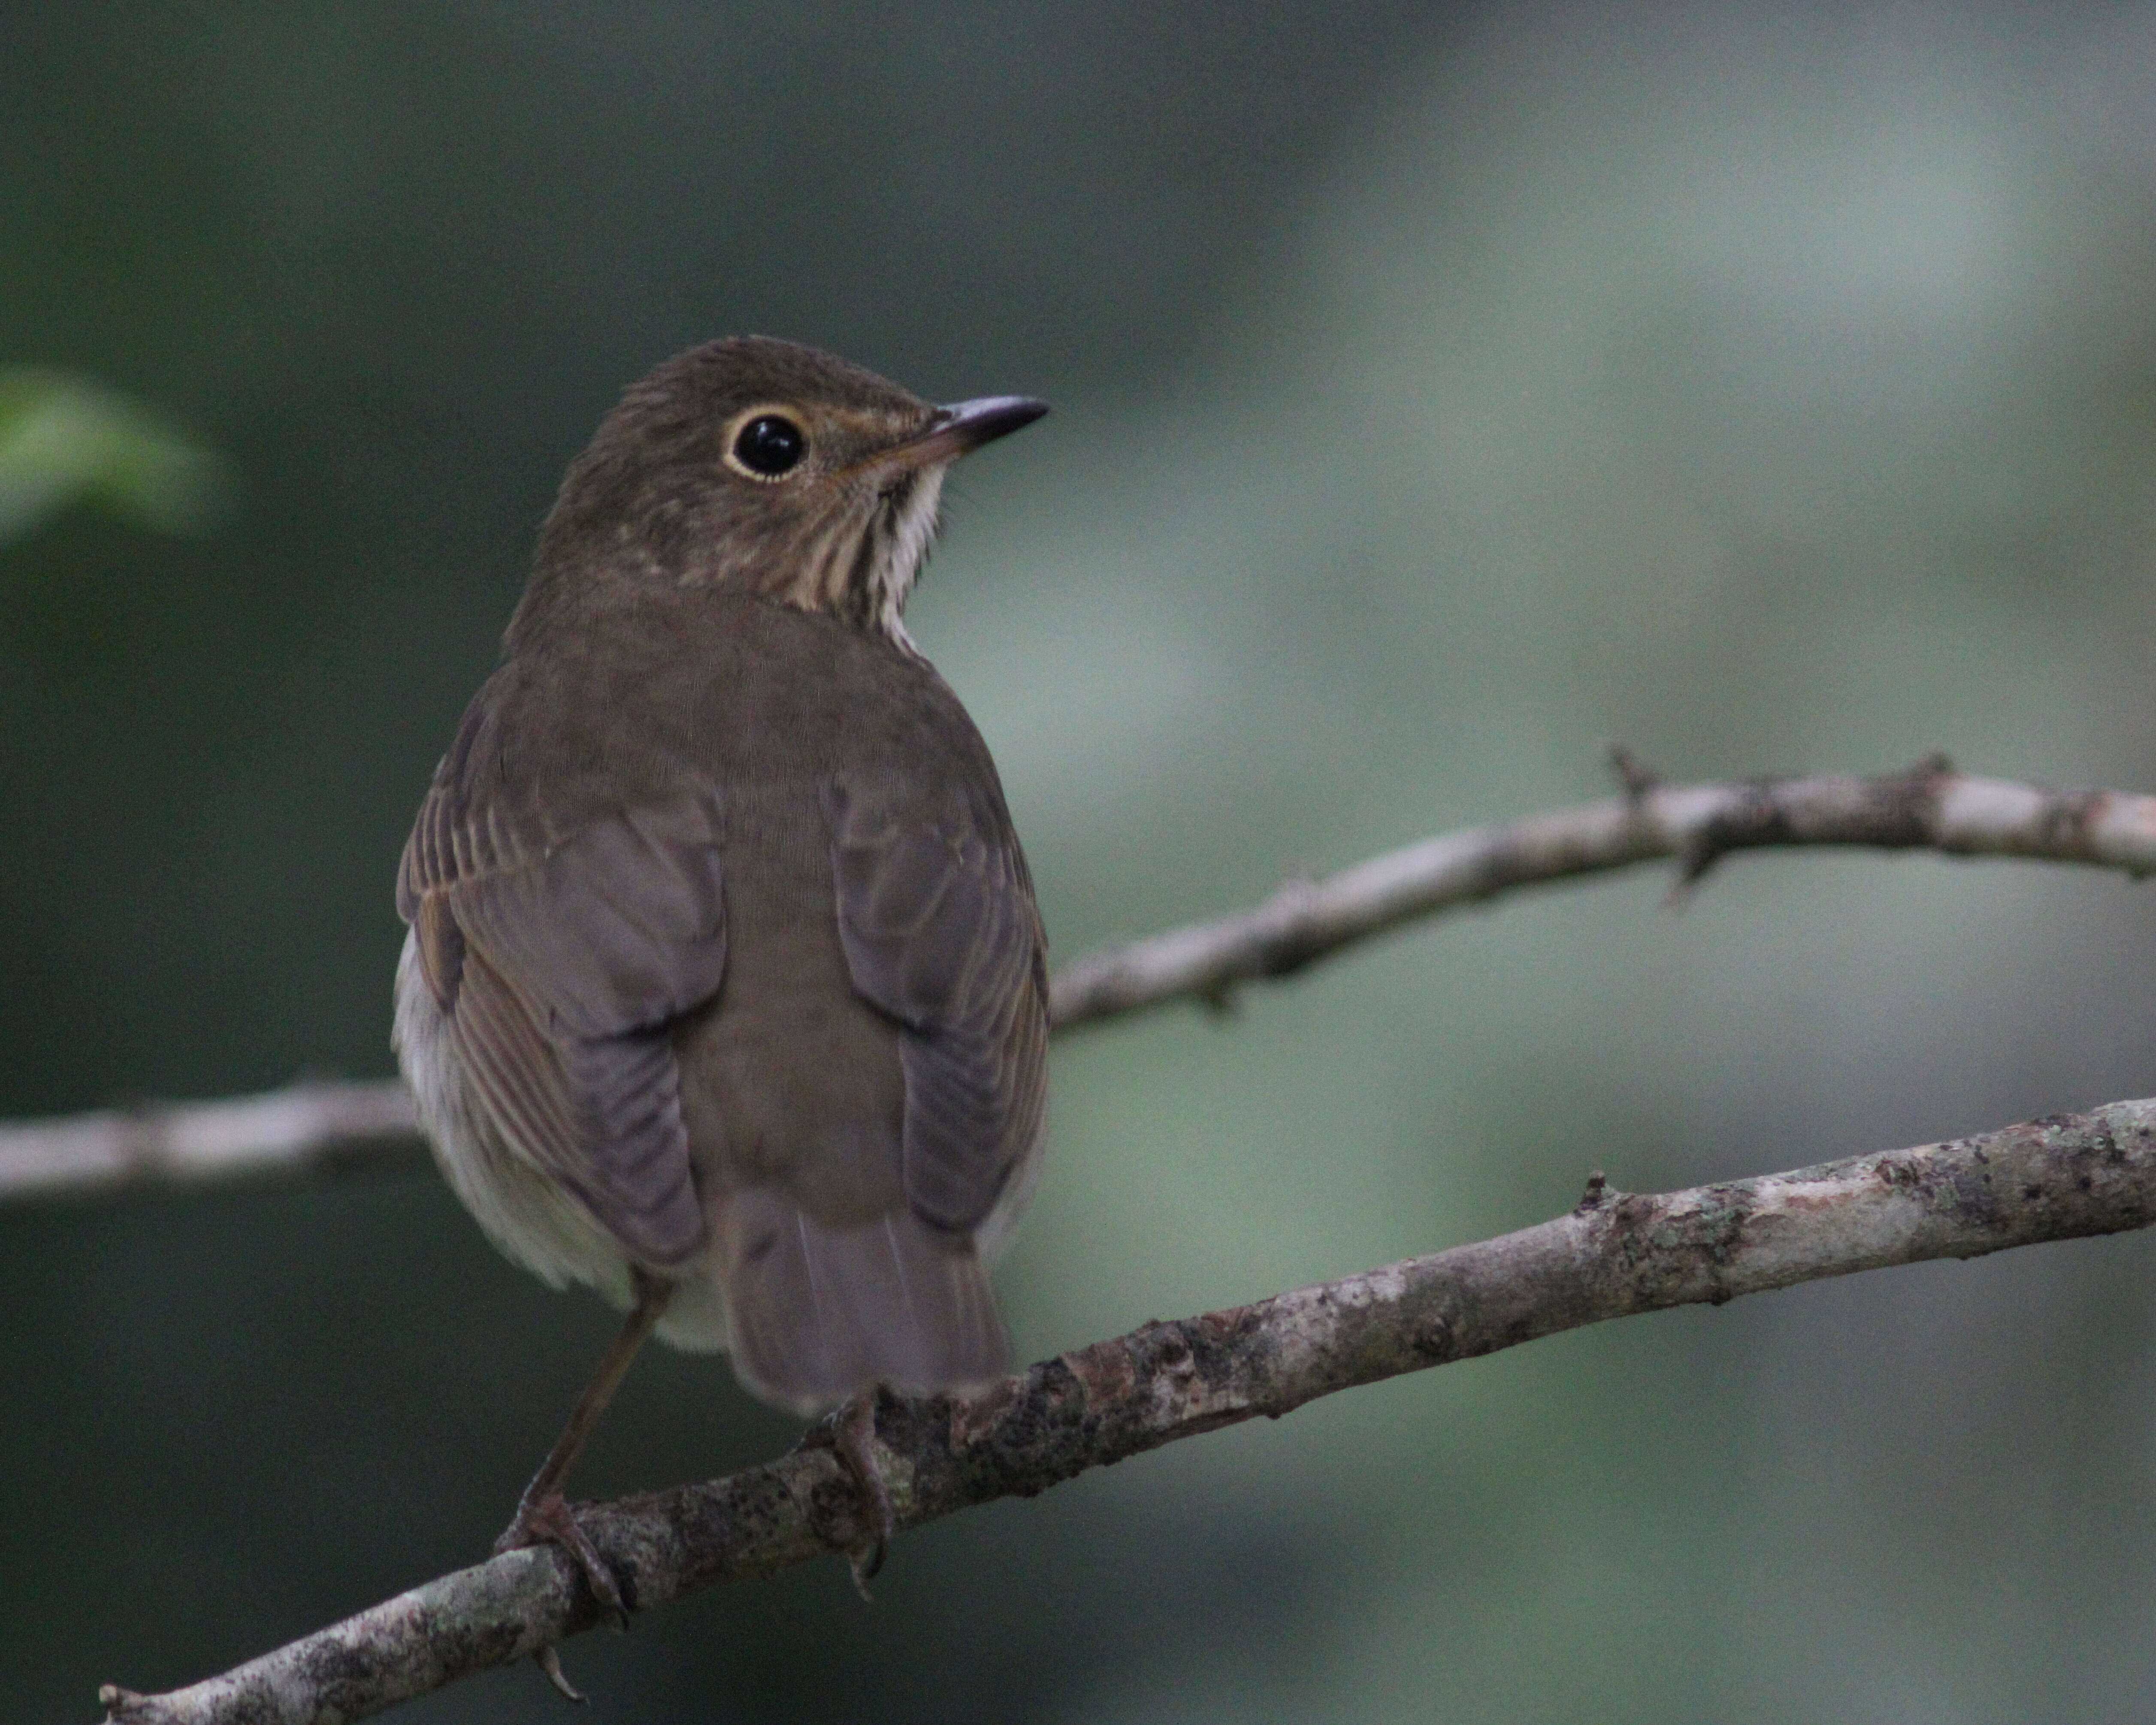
{"type": "Point", "coordinates": [863, 1087]}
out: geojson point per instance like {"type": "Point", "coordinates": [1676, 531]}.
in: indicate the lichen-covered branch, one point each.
{"type": "Point", "coordinates": [1614, 1254]}
{"type": "Point", "coordinates": [316, 1129]}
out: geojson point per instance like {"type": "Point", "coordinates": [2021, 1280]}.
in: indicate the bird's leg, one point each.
{"type": "Point", "coordinates": [848, 1432]}
{"type": "Point", "coordinates": [543, 1513]}
{"type": "Point", "coordinates": [856, 1447]}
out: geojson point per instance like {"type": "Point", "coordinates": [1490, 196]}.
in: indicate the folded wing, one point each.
{"type": "Point", "coordinates": [560, 962]}
{"type": "Point", "coordinates": [936, 918]}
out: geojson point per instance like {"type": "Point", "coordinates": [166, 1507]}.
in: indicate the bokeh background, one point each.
{"type": "Point", "coordinates": [1442, 392]}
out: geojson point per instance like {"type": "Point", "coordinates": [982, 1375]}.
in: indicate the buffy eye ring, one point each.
{"type": "Point", "coordinates": [769, 446]}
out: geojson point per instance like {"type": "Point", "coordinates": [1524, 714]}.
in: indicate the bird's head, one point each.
{"type": "Point", "coordinates": [768, 468]}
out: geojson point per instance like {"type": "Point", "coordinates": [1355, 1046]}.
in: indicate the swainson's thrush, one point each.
{"type": "Point", "coordinates": [724, 990]}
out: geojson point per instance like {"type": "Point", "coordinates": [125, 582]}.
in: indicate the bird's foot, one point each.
{"type": "Point", "coordinates": [848, 1432]}
{"type": "Point", "coordinates": [548, 1520]}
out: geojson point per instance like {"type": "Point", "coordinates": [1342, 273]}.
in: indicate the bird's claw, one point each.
{"type": "Point", "coordinates": [850, 1433]}
{"type": "Point", "coordinates": [550, 1521]}
{"type": "Point", "coordinates": [549, 1660]}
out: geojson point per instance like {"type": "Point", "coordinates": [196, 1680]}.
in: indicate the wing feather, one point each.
{"type": "Point", "coordinates": [936, 918]}
{"type": "Point", "coordinates": [566, 963]}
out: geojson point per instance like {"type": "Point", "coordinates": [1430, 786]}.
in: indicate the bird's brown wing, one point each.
{"type": "Point", "coordinates": [937, 916]}
{"type": "Point", "coordinates": [559, 963]}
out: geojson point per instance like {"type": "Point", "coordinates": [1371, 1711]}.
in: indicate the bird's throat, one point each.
{"type": "Point", "coordinates": [916, 513]}
{"type": "Point", "coordinates": [861, 565]}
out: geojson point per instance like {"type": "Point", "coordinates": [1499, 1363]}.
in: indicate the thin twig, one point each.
{"type": "Point", "coordinates": [318, 1129]}
{"type": "Point", "coordinates": [1613, 1254]}
{"type": "Point", "coordinates": [294, 1133]}
{"type": "Point", "coordinates": [1929, 807]}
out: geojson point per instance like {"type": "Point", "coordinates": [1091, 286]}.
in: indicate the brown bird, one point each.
{"type": "Point", "coordinates": [725, 990]}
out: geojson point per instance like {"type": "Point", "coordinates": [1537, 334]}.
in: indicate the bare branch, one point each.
{"type": "Point", "coordinates": [297, 1132]}
{"type": "Point", "coordinates": [1930, 808]}
{"type": "Point", "coordinates": [319, 1128]}
{"type": "Point", "coordinates": [1614, 1254]}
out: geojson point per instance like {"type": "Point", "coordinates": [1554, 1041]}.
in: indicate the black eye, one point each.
{"type": "Point", "coordinates": [770, 444]}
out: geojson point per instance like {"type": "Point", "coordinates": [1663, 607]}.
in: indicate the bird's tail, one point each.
{"type": "Point", "coordinates": [815, 1313]}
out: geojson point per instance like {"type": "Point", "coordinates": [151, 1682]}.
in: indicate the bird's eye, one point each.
{"type": "Point", "coordinates": [769, 446]}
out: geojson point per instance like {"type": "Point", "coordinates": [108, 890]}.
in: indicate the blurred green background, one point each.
{"type": "Point", "coordinates": [1441, 393]}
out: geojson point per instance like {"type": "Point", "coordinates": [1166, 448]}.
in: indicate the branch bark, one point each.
{"type": "Point", "coordinates": [316, 1130]}
{"type": "Point", "coordinates": [1614, 1254]}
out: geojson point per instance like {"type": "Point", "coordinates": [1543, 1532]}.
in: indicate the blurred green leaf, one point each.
{"type": "Point", "coordinates": [63, 440]}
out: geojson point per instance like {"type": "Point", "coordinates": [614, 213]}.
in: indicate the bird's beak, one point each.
{"type": "Point", "coordinates": [961, 428]}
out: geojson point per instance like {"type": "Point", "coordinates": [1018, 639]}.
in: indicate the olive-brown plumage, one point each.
{"type": "Point", "coordinates": [725, 984]}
